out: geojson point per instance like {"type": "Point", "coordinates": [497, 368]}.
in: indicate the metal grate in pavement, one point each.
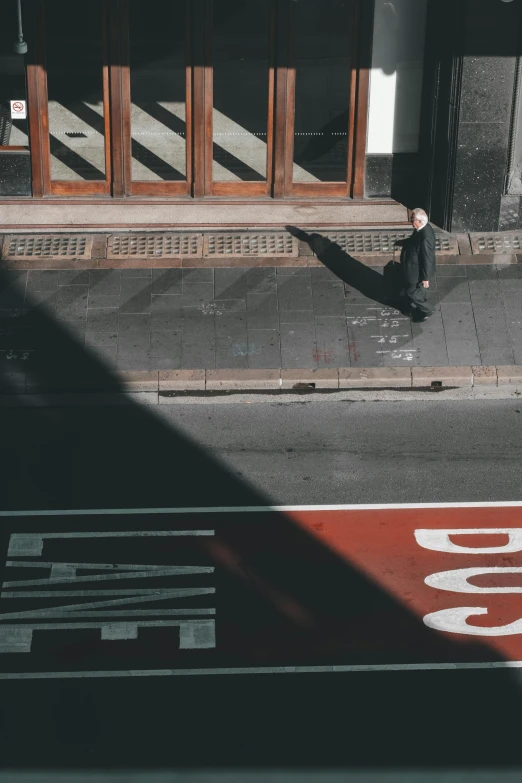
{"type": "Point", "coordinates": [154, 246]}
{"type": "Point", "coordinates": [496, 243]}
{"type": "Point", "coordinates": [250, 244]}
{"type": "Point", "coordinates": [49, 246]}
{"type": "Point", "coordinates": [374, 242]}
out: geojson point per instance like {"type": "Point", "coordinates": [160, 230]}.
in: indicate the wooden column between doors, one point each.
{"type": "Point", "coordinates": [37, 104]}
{"type": "Point", "coordinates": [282, 33]}
{"type": "Point", "coordinates": [197, 49]}
{"type": "Point", "coordinates": [359, 106]}
{"type": "Point", "coordinates": [119, 87]}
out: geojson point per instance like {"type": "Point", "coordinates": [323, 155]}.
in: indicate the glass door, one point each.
{"type": "Point", "coordinates": [239, 97]}
{"type": "Point", "coordinates": [202, 98]}
{"type": "Point", "coordinates": [157, 88]}
{"type": "Point", "coordinates": [322, 82]}
{"type": "Point", "coordinates": [76, 136]}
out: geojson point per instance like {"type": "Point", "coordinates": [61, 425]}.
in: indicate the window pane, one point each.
{"type": "Point", "coordinates": [12, 82]}
{"type": "Point", "coordinates": [74, 61]}
{"type": "Point", "coordinates": [323, 34]}
{"type": "Point", "coordinates": [15, 165]}
{"type": "Point", "coordinates": [240, 47]}
{"type": "Point", "coordinates": [158, 87]}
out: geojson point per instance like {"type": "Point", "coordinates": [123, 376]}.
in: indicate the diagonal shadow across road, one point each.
{"type": "Point", "coordinates": [282, 597]}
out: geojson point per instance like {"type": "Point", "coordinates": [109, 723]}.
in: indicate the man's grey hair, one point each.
{"type": "Point", "coordinates": [419, 214]}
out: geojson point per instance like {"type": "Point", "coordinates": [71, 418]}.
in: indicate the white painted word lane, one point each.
{"type": "Point", "coordinates": [147, 592]}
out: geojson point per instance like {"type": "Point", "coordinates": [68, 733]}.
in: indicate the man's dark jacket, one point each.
{"type": "Point", "coordinates": [418, 255]}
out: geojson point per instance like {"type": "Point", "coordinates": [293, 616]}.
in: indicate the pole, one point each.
{"type": "Point", "coordinates": [20, 46]}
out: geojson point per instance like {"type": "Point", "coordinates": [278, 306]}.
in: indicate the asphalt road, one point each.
{"type": "Point", "coordinates": [378, 726]}
{"type": "Point", "coordinates": [261, 453]}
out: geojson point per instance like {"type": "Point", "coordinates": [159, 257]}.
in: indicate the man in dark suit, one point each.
{"type": "Point", "coordinates": [418, 265]}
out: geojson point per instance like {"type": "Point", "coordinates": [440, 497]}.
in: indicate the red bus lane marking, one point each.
{"type": "Point", "coordinates": [261, 589]}
{"type": "Point", "coordinates": [464, 586]}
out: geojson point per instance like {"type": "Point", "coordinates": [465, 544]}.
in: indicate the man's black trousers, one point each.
{"type": "Point", "coordinates": [416, 294]}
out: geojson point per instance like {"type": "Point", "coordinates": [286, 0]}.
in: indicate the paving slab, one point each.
{"type": "Point", "coordinates": [332, 344]}
{"type": "Point", "coordinates": [298, 345]}
{"type": "Point", "coordinates": [365, 354]}
{"type": "Point", "coordinates": [295, 318]}
{"type": "Point", "coordinates": [502, 259]}
{"type": "Point", "coordinates": [262, 310]}
{"type": "Point", "coordinates": [328, 298]}
{"type": "Point", "coordinates": [231, 341]}
{"type": "Point", "coordinates": [199, 343]}
{"type": "Point", "coordinates": [264, 348]}
{"type": "Point", "coordinates": [493, 336]}
{"type": "Point", "coordinates": [460, 333]}
{"type": "Point", "coordinates": [429, 342]}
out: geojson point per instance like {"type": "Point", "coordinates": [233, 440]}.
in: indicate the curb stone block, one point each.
{"type": "Point", "coordinates": [182, 380]}
{"type": "Point", "coordinates": [353, 377]}
{"type": "Point", "coordinates": [78, 400]}
{"type": "Point", "coordinates": [322, 379]}
{"type": "Point", "coordinates": [484, 376]}
{"type": "Point", "coordinates": [70, 384]}
{"type": "Point", "coordinates": [447, 376]}
{"type": "Point", "coordinates": [511, 375]}
{"type": "Point", "coordinates": [242, 379]}
{"type": "Point", "coordinates": [139, 380]}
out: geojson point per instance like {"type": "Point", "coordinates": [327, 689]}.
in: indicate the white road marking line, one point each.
{"type": "Point", "coordinates": [392, 667]}
{"type": "Point", "coordinates": [175, 571]}
{"type": "Point", "coordinates": [109, 566]}
{"type": "Point", "coordinates": [228, 510]}
{"type": "Point", "coordinates": [75, 593]}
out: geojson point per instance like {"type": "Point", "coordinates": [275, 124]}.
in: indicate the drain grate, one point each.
{"type": "Point", "coordinates": [496, 243]}
{"type": "Point", "coordinates": [51, 246]}
{"type": "Point", "coordinates": [373, 242]}
{"type": "Point", "coordinates": [273, 244]}
{"type": "Point", "coordinates": [154, 245]}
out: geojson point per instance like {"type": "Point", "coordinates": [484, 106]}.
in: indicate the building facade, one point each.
{"type": "Point", "coordinates": [415, 101]}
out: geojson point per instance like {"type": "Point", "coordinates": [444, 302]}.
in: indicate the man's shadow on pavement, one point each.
{"type": "Point", "coordinates": [367, 281]}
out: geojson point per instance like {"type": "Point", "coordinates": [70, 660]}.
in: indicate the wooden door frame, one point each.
{"type": "Point", "coordinates": [153, 187]}
{"type": "Point", "coordinates": [43, 185]}
{"type": "Point", "coordinates": [242, 188]}
{"type": "Point", "coordinates": [353, 186]}
{"type": "Point", "coordinates": [36, 103]}
{"type": "Point", "coordinates": [199, 137]}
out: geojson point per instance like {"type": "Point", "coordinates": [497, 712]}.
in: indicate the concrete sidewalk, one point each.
{"type": "Point", "coordinates": [67, 328]}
